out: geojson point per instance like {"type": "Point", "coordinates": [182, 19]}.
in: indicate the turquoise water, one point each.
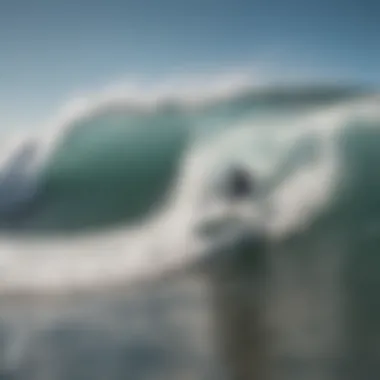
{"type": "Point", "coordinates": [118, 195]}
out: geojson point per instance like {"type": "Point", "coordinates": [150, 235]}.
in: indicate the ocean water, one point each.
{"type": "Point", "coordinates": [123, 256]}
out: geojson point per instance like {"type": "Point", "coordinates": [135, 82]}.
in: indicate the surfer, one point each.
{"type": "Point", "coordinates": [239, 184]}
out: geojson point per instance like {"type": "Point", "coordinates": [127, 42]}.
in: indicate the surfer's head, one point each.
{"type": "Point", "coordinates": [239, 183]}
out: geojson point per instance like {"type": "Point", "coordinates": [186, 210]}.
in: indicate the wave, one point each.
{"type": "Point", "coordinates": [150, 174]}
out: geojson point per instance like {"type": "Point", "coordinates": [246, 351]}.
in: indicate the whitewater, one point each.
{"type": "Point", "coordinates": [120, 185]}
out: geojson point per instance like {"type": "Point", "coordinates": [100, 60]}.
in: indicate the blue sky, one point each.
{"type": "Point", "coordinates": [53, 48]}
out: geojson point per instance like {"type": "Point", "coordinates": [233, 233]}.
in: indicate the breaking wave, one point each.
{"type": "Point", "coordinates": [117, 190]}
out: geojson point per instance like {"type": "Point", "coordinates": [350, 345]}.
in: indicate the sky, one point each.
{"type": "Point", "coordinates": [52, 49]}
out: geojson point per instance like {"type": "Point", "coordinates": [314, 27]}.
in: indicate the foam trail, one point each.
{"type": "Point", "coordinates": [297, 200]}
{"type": "Point", "coordinates": [54, 266]}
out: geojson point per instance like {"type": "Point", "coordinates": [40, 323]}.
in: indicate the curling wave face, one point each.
{"type": "Point", "coordinates": [132, 183]}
